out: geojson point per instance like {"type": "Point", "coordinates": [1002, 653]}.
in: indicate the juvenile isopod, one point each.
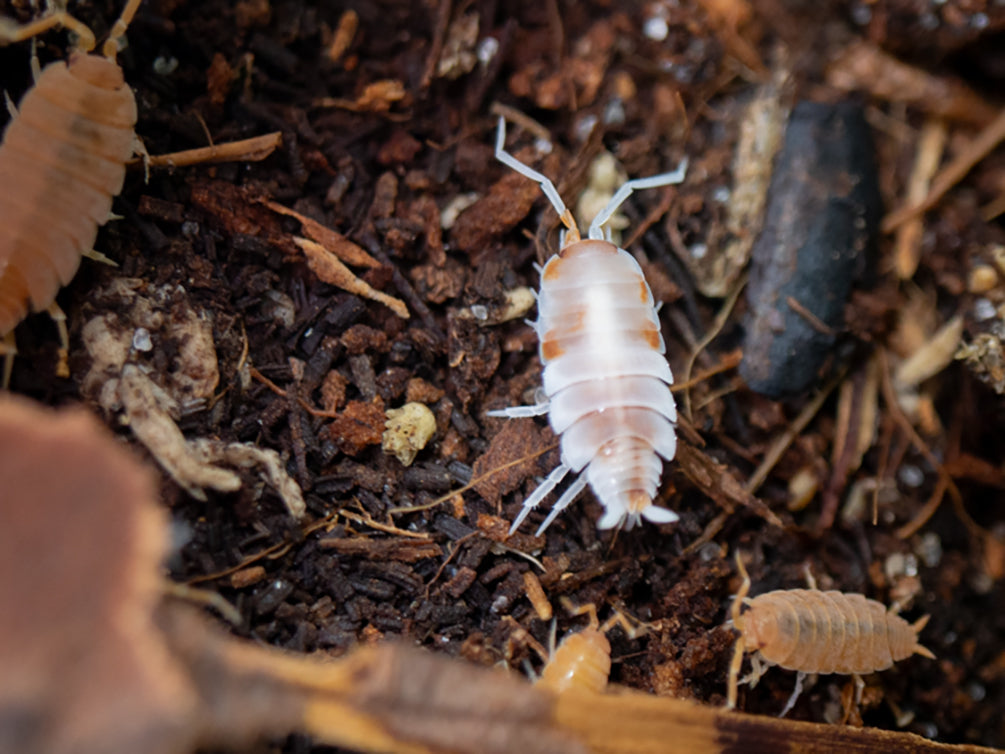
{"type": "Point", "coordinates": [582, 660]}
{"type": "Point", "coordinates": [62, 160]}
{"type": "Point", "coordinates": [606, 377]}
{"type": "Point", "coordinates": [812, 631]}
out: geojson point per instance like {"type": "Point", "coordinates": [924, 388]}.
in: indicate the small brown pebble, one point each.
{"type": "Point", "coordinates": [359, 425]}
{"type": "Point", "coordinates": [360, 339]}
{"type": "Point", "coordinates": [420, 391]}
{"type": "Point", "coordinates": [401, 147]}
{"type": "Point", "coordinates": [460, 582]}
{"type": "Point", "coordinates": [247, 576]}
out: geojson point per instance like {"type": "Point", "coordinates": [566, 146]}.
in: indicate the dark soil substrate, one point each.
{"type": "Point", "coordinates": [383, 169]}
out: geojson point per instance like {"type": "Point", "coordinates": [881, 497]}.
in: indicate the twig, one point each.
{"type": "Point", "coordinates": [989, 138]}
{"type": "Point", "coordinates": [246, 150]}
{"type": "Point", "coordinates": [473, 483]}
{"type": "Point", "coordinates": [439, 35]}
{"type": "Point", "coordinates": [907, 245]}
{"type": "Point", "coordinates": [720, 321]}
{"type": "Point", "coordinates": [782, 444]}
{"type": "Point", "coordinates": [268, 552]}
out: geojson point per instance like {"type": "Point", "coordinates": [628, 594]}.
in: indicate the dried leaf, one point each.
{"type": "Point", "coordinates": [332, 240]}
{"type": "Point", "coordinates": [329, 269]}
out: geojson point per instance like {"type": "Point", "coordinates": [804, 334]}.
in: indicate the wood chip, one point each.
{"type": "Point", "coordinates": [907, 245]}
{"type": "Point", "coordinates": [536, 595]}
{"type": "Point", "coordinates": [932, 357]}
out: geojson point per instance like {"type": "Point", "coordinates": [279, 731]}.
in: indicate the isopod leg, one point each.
{"type": "Point", "coordinates": [811, 581]}
{"type": "Point", "coordinates": [589, 609]}
{"type": "Point", "coordinates": [111, 47]}
{"type": "Point", "coordinates": [97, 256]}
{"type": "Point", "coordinates": [532, 501]}
{"type": "Point", "coordinates": [851, 711]}
{"type": "Point", "coordinates": [800, 677]}
{"type": "Point", "coordinates": [737, 663]}
{"type": "Point", "coordinates": [570, 494]}
{"type": "Point", "coordinates": [11, 32]}
{"type": "Point", "coordinates": [36, 65]}
{"type": "Point", "coordinates": [756, 671]}
{"type": "Point", "coordinates": [542, 180]}
{"type": "Point", "coordinates": [918, 648]}
{"type": "Point", "coordinates": [58, 317]}
{"type": "Point", "coordinates": [11, 107]}
{"type": "Point", "coordinates": [520, 412]}
{"type": "Point", "coordinates": [663, 179]}
{"type": "Point", "coordinates": [8, 349]}
{"type": "Point", "coordinates": [734, 674]}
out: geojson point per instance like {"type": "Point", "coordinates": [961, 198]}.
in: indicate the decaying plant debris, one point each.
{"type": "Point", "coordinates": [882, 484]}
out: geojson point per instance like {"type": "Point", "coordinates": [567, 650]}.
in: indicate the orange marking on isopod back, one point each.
{"type": "Point", "coordinates": [550, 349]}
{"type": "Point", "coordinates": [552, 270]}
{"type": "Point", "coordinates": [652, 337]}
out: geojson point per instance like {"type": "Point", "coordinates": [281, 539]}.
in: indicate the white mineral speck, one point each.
{"type": "Point", "coordinates": [984, 309]}
{"type": "Point", "coordinates": [487, 50]}
{"type": "Point", "coordinates": [656, 28]}
{"type": "Point", "coordinates": [141, 339]}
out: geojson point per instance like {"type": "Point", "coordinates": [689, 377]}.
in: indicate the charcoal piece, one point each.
{"type": "Point", "coordinates": [819, 229]}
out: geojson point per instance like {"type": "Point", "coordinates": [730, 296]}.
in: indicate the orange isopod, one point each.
{"type": "Point", "coordinates": [813, 631]}
{"type": "Point", "coordinates": [582, 661]}
{"type": "Point", "coordinates": [62, 160]}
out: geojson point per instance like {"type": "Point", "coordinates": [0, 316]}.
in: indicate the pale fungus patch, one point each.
{"type": "Point", "coordinates": [408, 429]}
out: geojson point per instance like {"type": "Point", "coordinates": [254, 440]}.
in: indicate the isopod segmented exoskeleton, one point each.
{"type": "Point", "coordinates": [606, 377]}
{"type": "Point", "coordinates": [62, 160]}
{"type": "Point", "coordinates": [812, 631]}
{"type": "Point", "coordinates": [582, 661]}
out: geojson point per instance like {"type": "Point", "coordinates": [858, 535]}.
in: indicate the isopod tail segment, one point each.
{"type": "Point", "coordinates": [900, 634]}
{"type": "Point", "coordinates": [657, 413]}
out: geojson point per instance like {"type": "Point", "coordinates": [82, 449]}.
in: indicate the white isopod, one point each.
{"type": "Point", "coordinates": [606, 377]}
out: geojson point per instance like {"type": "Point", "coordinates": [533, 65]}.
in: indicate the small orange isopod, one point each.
{"type": "Point", "coordinates": [813, 631]}
{"type": "Point", "coordinates": [582, 661]}
{"type": "Point", "coordinates": [62, 160]}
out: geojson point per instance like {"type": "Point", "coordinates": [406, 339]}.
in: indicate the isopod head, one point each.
{"type": "Point", "coordinates": [759, 630]}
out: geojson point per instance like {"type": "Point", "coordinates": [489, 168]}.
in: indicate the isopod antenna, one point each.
{"type": "Point", "coordinates": [542, 180]}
